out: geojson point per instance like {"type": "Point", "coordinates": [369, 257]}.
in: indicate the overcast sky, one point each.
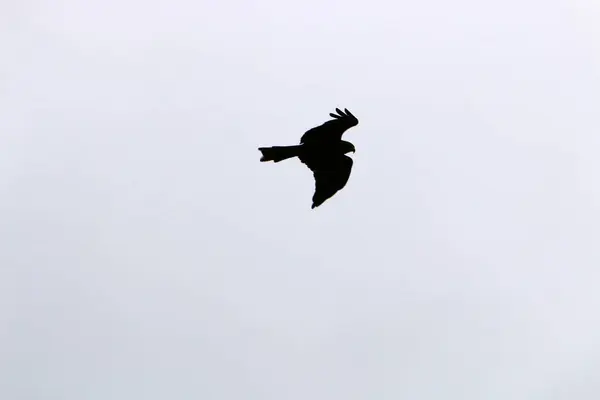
{"type": "Point", "coordinates": [146, 253]}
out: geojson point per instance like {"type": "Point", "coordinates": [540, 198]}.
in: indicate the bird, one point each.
{"type": "Point", "coordinates": [324, 152]}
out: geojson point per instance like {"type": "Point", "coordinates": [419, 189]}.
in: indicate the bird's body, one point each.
{"type": "Point", "coordinates": [323, 151]}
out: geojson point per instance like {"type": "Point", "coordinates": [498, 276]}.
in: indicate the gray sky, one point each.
{"type": "Point", "coordinates": [145, 253]}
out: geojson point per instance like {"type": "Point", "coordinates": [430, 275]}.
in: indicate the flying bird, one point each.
{"type": "Point", "coordinates": [323, 151]}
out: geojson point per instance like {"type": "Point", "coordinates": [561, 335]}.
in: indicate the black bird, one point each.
{"type": "Point", "coordinates": [324, 152]}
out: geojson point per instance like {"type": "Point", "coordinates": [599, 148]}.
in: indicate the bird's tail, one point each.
{"type": "Point", "coordinates": [279, 153]}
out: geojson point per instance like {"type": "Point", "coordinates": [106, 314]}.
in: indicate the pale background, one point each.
{"type": "Point", "coordinates": [145, 253]}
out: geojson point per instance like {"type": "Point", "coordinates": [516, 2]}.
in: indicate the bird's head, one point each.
{"type": "Point", "coordinates": [347, 147]}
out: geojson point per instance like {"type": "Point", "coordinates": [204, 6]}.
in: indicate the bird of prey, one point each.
{"type": "Point", "coordinates": [323, 151]}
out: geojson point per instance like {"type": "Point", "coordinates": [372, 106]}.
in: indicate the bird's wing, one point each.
{"type": "Point", "coordinates": [330, 177]}
{"type": "Point", "coordinates": [332, 129]}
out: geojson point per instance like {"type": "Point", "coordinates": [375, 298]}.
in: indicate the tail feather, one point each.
{"type": "Point", "coordinates": [279, 153]}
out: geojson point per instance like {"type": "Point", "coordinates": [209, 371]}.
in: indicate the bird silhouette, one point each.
{"type": "Point", "coordinates": [323, 151]}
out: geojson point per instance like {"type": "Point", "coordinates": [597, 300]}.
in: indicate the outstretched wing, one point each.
{"type": "Point", "coordinates": [331, 130]}
{"type": "Point", "coordinates": [331, 175]}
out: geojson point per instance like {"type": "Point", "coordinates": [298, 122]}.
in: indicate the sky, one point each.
{"type": "Point", "coordinates": [146, 253]}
